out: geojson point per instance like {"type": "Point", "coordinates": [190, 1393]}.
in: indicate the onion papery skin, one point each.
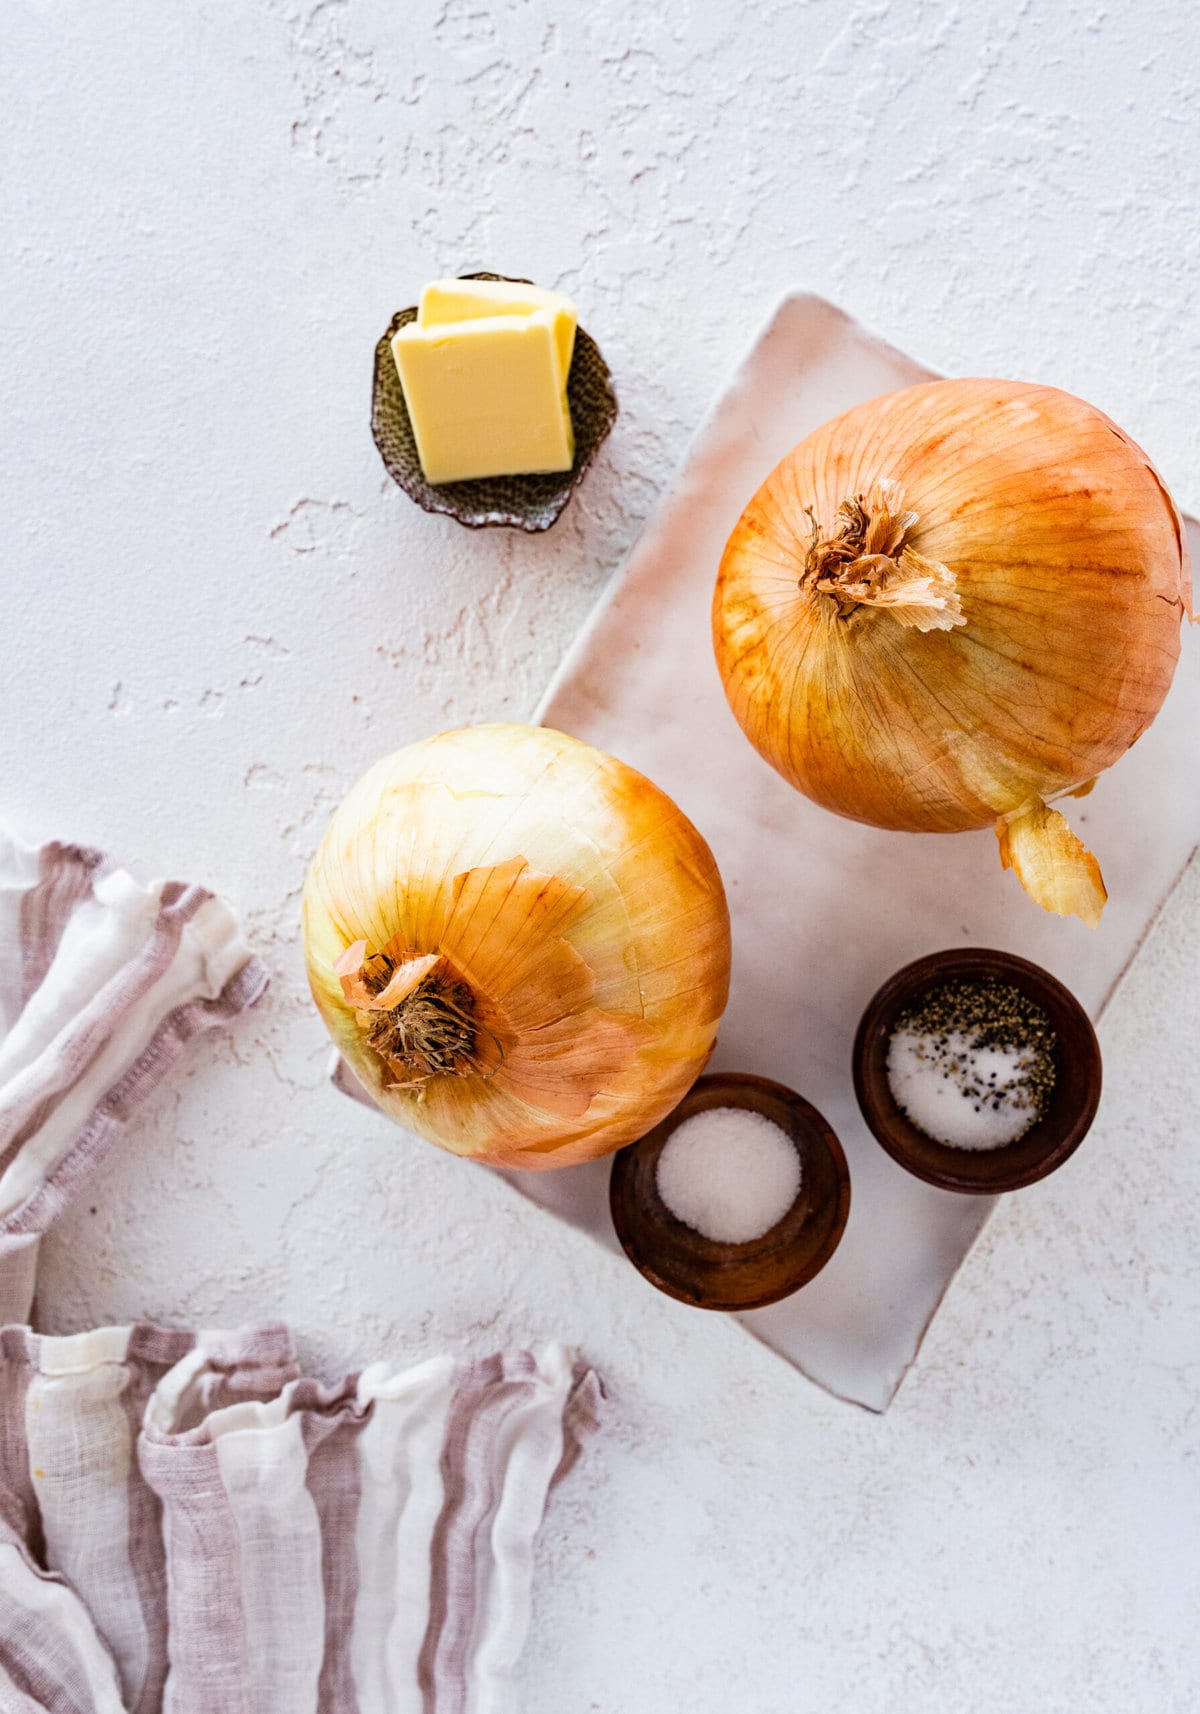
{"type": "Point", "coordinates": [1069, 562]}
{"type": "Point", "coordinates": [575, 900]}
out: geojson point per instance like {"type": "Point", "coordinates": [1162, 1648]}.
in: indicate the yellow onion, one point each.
{"type": "Point", "coordinates": [951, 605]}
{"type": "Point", "coordinates": [520, 945]}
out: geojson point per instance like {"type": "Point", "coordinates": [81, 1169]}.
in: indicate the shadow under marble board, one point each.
{"type": "Point", "coordinates": [824, 909]}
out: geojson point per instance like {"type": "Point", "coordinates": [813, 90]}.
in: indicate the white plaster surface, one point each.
{"type": "Point", "coordinates": [218, 611]}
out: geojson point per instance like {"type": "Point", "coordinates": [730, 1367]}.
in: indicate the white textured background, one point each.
{"type": "Point", "coordinates": [218, 611]}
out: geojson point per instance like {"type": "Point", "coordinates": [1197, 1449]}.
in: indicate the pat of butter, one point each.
{"type": "Point", "coordinates": [485, 396]}
{"type": "Point", "coordinates": [445, 301]}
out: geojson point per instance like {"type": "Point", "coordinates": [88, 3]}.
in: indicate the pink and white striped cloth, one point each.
{"type": "Point", "coordinates": [103, 981]}
{"type": "Point", "coordinates": [186, 1522]}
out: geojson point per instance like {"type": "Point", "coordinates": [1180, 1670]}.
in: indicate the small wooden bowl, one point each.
{"type": "Point", "coordinates": [697, 1270]}
{"type": "Point", "coordinates": [1047, 1144]}
{"type": "Point", "coordinates": [533, 502]}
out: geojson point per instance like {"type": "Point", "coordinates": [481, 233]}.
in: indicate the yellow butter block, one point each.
{"type": "Point", "coordinates": [485, 396]}
{"type": "Point", "coordinates": [445, 301]}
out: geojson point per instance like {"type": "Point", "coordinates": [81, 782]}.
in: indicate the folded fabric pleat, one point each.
{"type": "Point", "coordinates": [103, 981]}
{"type": "Point", "coordinates": [78, 1511]}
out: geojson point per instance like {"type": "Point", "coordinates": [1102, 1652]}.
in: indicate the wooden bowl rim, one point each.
{"type": "Point", "coordinates": [975, 1172]}
{"type": "Point", "coordinates": [805, 1123]}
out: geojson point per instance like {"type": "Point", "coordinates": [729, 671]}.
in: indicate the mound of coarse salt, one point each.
{"type": "Point", "coordinates": [729, 1173]}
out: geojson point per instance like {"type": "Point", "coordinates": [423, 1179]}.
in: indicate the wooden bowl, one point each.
{"type": "Point", "coordinates": [533, 502]}
{"type": "Point", "coordinates": [698, 1270]}
{"type": "Point", "coordinates": [1047, 1144]}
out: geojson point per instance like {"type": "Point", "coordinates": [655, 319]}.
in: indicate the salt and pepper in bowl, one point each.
{"type": "Point", "coordinates": [977, 1071]}
{"type": "Point", "coordinates": [736, 1199]}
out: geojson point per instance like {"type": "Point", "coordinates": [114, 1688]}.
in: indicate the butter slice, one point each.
{"type": "Point", "coordinates": [445, 301]}
{"type": "Point", "coordinates": [485, 396]}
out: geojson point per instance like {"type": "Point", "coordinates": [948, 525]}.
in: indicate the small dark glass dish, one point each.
{"type": "Point", "coordinates": [529, 503]}
{"type": "Point", "coordinates": [1049, 1141]}
{"type": "Point", "coordinates": [710, 1275]}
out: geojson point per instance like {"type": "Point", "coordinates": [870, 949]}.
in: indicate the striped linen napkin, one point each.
{"type": "Point", "coordinates": [186, 1522]}
{"type": "Point", "coordinates": [102, 983]}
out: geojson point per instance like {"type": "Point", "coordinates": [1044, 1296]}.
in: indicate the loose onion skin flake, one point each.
{"type": "Point", "coordinates": [951, 605]}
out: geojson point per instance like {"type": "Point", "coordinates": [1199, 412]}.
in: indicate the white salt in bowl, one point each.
{"type": "Point", "coordinates": [706, 1272]}
{"type": "Point", "coordinates": [1050, 1141]}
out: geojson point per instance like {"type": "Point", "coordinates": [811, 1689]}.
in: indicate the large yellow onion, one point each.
{"type": "Point", "coordinates": [520, 945]}
{"type": "Point", "coordinates": [951, 605]}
